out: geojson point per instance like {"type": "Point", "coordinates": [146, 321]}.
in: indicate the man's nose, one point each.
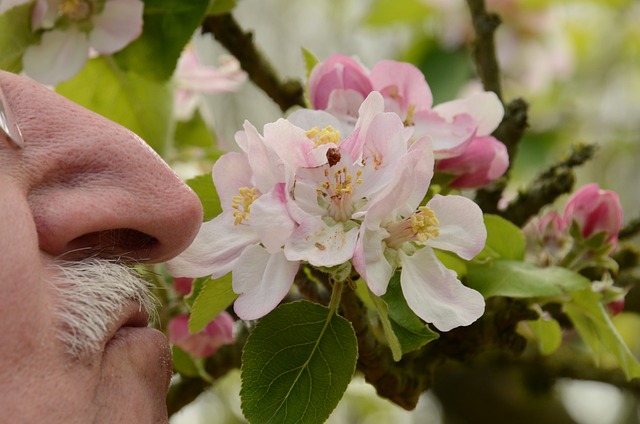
{"type": "Point", "coordinates": [96, 188]}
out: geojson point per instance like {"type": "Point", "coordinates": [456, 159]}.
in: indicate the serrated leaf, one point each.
{"type": "Point", "coordinates": [214, 297]}
{"type": "Point", "coordinates": [523, 280]}
{"type": "Point", "coordinates": [548, 334]}
{"type": "Point", "coordinates": [296, 365]}
{"type": "Point", "coordinates": [504, 239]}
{"type": "Point", "coordinates": [15, 36]}
{"type": "Point", "coordinates": [203, 186]}
{"type": "Point", "coordinates": [590, 318]}
{"type": "Point", "coordinates": [168, 27]}
{"type": "Point", "coordinates": [134, 102]}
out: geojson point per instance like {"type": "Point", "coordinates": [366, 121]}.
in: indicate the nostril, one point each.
{"type": "Point", "coordinates": [124, 243]}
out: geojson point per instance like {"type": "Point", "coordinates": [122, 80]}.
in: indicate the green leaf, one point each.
{"type": "Point", "coordinates": [310, 61]}
{"type": "Point", "coordinates": [206, 191]}
{"type": "Point", "coordinates": [547, 333]}
{"type": "Point", "coordinates": [381, 308]}
{"type": "Point", "coordinates": [410, 330]}
{"type": "Point", "coordinates": [168, 27]}
{"type": "Point", "coordinates": [194, 133]}
{"type": "Point", "coordinates": [296, 365]}
{"type": "Point", "coordinates": [15, 36]}
{"type": "Point", "coordinates": [219, 7]}
{"type": "Point", "coordinates": [135, 102]}
{"type": "Point", "coordinates": [385, 12]}
{"type": "Point", "coordinates": [523, 280]}
{"type": "Point", "coordinates": [452, 261]}
{"type": "Point", "coordinates": [214, 297]}
{"type": "Point", "coordinates": [504, 239]}
{"type": "Point", "coordinates": [590, 318]}
{"type": "Point", "coordinates": [184, 363]}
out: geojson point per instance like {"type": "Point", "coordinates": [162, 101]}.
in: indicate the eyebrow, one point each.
{"type": "Point", "coordinates": [9, 129]}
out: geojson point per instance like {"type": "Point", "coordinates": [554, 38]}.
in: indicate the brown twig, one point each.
{"type": "Point", "coordinates": [239, 43]}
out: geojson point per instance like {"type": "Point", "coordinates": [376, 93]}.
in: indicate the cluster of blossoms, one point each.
{"type": "Point", "coordinates": [582, 236]}
{"type": "Point", "coordinates": [345, 188]}
{"type": "Point", "coordinates": [70, 28]}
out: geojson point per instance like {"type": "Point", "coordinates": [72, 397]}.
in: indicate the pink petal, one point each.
{"type": "Point", "coordinates": [450, 137]}
{"type": "Point", "coordinates": [262, 280]}
{"type": "Point", "coordinates": [59, 56]}
{"type": "Point", "coordinates": [336, 72]}
{"type": "Point", "coordinates": [370, 262]}
{"type": "Point", "coordinates": [435, 294]}
{"type": "Point", "coordinates": [230, 173]}
{"type": "Point", "coordinates": [462, 229]}
{"type": "Point", "coordinates": [401, 84]}
{"type": "Point", "coordinates": [270, 219]}
{"type": "Point", "coordinates": [485, 108]}
{"type": "Point", "coordinates": [215, 249]}
{"type": "Point", "coordinates": [118, 25]}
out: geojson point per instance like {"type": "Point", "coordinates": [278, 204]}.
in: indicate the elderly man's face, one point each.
{"type": "Point", "coordinates": [82, 187]}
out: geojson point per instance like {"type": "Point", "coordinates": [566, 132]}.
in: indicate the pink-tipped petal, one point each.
{"type": "Point", "coordinates": [435, 294]}
{"type": "Point", "coordinates": [403, 86]}
{"type": "Point", "coordinates": [119, 23]}
{"type": "Point", "coordinates": [59, 56]}
{"type": "Point", "coordinates": [485, 108]}
{"type": "Point", "coordinates": [262, 280]}
{"type": "Point", "coordinates": [461, 225]}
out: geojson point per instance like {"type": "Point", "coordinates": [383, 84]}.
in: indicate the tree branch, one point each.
{"type": "Point", "coordinates": [239, 43]}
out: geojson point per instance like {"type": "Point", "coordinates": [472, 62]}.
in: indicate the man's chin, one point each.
{"type": "Point", "coordinates": [136, 370]}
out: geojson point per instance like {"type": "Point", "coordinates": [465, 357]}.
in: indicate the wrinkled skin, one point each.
{"type": "Point", "coordinates": [78, 178]}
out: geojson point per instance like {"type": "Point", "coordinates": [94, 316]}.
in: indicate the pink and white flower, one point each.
{"type": "Point", "coordinates": [397, 233]}
{"type": "Point", "coordinates": [72, 28]}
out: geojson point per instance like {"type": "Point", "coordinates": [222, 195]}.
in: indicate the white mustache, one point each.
{"type": "Point", "coordinates": [90, 296]}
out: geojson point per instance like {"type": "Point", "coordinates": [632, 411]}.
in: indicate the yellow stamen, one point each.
{"type": "Point", "coordinates": [424, 224]}
{"type": "Point", "coordinates": [242, 203]}
{"type": "Point", "coordinates": [324, 136]}
{"type": "Point", "coordinates": [75, 9]}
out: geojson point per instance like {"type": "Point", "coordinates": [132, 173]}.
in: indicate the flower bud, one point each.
{"type": "Point", "coordinates": [206, 342]}
{"type": "Point", "coordinates": [595, 211]}
{"type": "Point", "coordinates": [338, 72]}
{"type": "Point", "coordinates": [183, 285]}
{"type": "Point", "coordinates": [484, 160]}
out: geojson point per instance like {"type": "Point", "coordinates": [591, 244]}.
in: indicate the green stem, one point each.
{"type": "Point", "coordinates": [336, 295]}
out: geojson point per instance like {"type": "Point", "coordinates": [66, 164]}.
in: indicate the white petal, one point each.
{"type": "Point", "coordinates": [59, 56]}
{"type": "Point", "coordinates": [270, 219]}
{"type": "Point", "coordinates": [321, 245]}
{"type": "Point", "coordinates": [230, 173]}
{"type": "Point", "coordinates": [449, 137]}
{"type": "Point", "coordinates": [486, 108]}
{"type": "Point", "coordinates": [262, 280]}
{"type": "Point", "coordinates": [435, 294]}
{"type": "Point", "coordinates": [370, 262]}
{"type": "Point", "coordinates": [215, 249]}
{"type": "Point", "coordinates": [462, 229]}
{"type": "Point", "coordinates": [118, 25]}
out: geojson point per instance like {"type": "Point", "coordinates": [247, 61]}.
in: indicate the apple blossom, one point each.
{"type": "Point", "coordinates": [484, 160]}
{"type": "Point", "coordinates": [71, 28]}
{"type": "Point", "coordinates": [398, 233]}
{"type": "Point", "coordinates": [248, 237]}
{"type": "Point", "coordinates": [451, 125]}
{"type": "Point", "coordinates": [595, 211]}
{"type": "Point", "coordinates": [192, 78]}
{"type": "Point", "coordinates": [207, 341]}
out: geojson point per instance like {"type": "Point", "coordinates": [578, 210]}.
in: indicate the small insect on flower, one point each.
{"type": "Point", "coordinates": [333, 156]}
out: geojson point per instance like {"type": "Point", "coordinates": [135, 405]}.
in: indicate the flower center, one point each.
{"type": "Point", "coordinates": [419, 227]}
{"type": "Point", "coordinates": [75, 9]}
{"type": "Point", "coordinates": [324, 136]}
{"type": "Point", "coordinates": [338, 191]}
{"type": "Point", "coordinates": [242, 203]}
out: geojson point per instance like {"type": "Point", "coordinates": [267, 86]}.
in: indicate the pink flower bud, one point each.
{"type": "Point", "coordinates": [484, 160]}
{"type": "Point", "coordinates": [616, 306]}
{"type": "Point", "coordinates": [183, 285]}
{"type": "Point", "coordinates": [205, 343]}
{"type": "Point", "coordinates": [595, 211]}
{"type": "Point", "coordinates": [337, 73]}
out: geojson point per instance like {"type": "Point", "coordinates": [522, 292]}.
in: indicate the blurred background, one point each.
{"type": "Point", "coordinates": [577, 64]}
